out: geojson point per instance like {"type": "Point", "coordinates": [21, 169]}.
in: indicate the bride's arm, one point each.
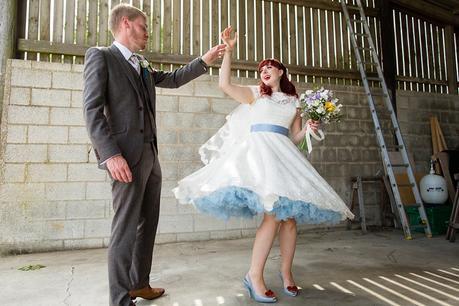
{"type": "Point", "coordinates": [242, 94]}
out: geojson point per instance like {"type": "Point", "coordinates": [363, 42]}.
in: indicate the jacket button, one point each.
{"type": "Point", "coordinates": [140, 108]}
{"type": "Point", "coordinates": [141, 130]}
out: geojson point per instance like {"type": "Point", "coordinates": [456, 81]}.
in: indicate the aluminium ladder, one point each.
{"type": "Point", "coordinates": [388, 165]}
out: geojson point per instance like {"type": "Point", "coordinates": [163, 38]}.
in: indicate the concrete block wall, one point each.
{"type": "Point", "coordinates": [53, 197]}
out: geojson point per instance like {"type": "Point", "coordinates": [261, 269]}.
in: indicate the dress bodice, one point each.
{"type": "Point", "coordinates": [277, 109]}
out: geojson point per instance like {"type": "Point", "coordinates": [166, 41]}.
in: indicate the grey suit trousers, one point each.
{"type": "Point", "coordinates": [136, 207]}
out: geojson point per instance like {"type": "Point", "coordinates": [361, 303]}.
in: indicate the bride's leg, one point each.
{"type": "Point", "coordinates": [287, 239]}
{"type": "Point", "coordinates": [261, 247]}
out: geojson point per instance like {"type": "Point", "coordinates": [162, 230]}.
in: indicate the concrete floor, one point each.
{"type": "Point", "coordinates": [333, 268]}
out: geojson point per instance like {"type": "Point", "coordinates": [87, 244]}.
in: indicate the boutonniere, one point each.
{"type": "Point", "coordinates": [146, 64]}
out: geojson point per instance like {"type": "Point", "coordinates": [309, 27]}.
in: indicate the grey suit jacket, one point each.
{"type": "Point", "coordinates": [112, 103]}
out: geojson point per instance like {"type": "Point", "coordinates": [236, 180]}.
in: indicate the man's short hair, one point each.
{"type": "Point", "coordinates": [123, 10]}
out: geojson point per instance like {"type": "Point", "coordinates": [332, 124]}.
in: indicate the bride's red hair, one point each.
{"type": "Point", "coordinates": [286, 86]}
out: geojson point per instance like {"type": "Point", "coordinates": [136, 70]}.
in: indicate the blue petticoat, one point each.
{"type": "Point", "coordinates": [235, 201]}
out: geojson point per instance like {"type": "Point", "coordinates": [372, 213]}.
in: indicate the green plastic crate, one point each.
{"type": "Point", "coordinates": [438, 216]}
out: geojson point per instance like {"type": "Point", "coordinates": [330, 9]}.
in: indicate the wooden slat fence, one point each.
{"type": "Point", "coordinates": [310, 37]}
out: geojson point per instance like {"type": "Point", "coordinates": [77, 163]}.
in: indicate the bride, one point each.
{"type": "Point", "coordinates": [252, 166]}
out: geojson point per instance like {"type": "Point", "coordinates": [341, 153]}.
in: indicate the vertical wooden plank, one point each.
{"type": "Point", "coordinates": [224, 15]}
{"type": "Point", "coordinates": [346, 48]}
{"type": "Point", "coordinates": [156, 38]}
{"type": "Point", "coordinates": [417, 42]}
{"type": "Point", "coordinates": [259, 29]}
{"type": "Point", "coordinates": [301, 42]}
{"type": "Point", "coordinates": [235, 25]}
{"type": "Point", "coordinates": [69, 26]}
{"type": "Point", "coordinates": [423, 48]}
{"type": "Point", "coordinates": [406, 49]}
{"type": "Point", "coordinates": [176, 29]}
{"type": "Point", "coordinates": [250, 35]}
{"type": "Point", "coordinates": [242, 34]}
{"type": "Point", "coordinates": [92, 23]}
{"type": "Point", "coordinates": [146, 8]}
{"type": "Point", "coordinates": [186, 27]}
{"type": "Point", "coordinates": [81, 27]}
{"type": "Point", "coordinates": [293, 34]}
{"type": "Point", "coordinates": [316, 37]}
{"type": "Point", "coordinates": [58, 24]}
{"type": "Point", "coordinates": [206, 41]}
{"type": "Point", "coordinates": [104, 32]}
{"type": "Point", "coordinates": [323, 41]}
{"type": "Point", "coordinates": [215, 21]}
{"type": "Point", "coordinates": [233, 14]}
{"type": "Point", "coordinates": [430, 58]}
{"type": "Point", "coordinates": [268, 42]}
{"type": "Point", "coordinates": [323, 38]}
{"type": "Point", "coordinates": [451, 60]}
{"type": "Point", "coordinates": [45, 30]}
{"type": "Point", "coordinates": [284, 34]}
{"type": "Point", "coordinates": [113, 3]}
{"type": "Point", "coordinates": [398, 46]}
{"type": "Point", "coordinates": [33, 25]}
{"type": "Point", "coordinates": [435, 56]}
{"type": "Point", "coordinates": [167, 27]}
{"type": "Point", "coordinates": [412, 51]}
{"type": "Point", "coordinates": [331, 43]}
{"type": "Point", "coordinates": [215, 30]}
{"type": "Point", "coordinates": [308, 36]}
{"type": "Point", "coordinates": [276, 30]}
{"type": "Point", "coordinates": [442, 59]}
{"type": "Point", "coordinates": [197, 28]}
{"type": "Point", "coordinates": [21, 25]}
{"type": "Point", "coordinates": [338, 49]}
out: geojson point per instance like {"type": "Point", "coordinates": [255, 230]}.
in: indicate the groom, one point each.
{"type": "Point", "coordinates": [119, 109]}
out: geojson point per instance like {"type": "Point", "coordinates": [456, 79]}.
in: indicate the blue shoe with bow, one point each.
{"type": "Point", "coordinates": [269, 296]}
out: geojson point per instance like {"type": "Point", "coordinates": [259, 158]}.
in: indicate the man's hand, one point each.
{"type": "Point", "coordinates": [119, 169]}
{"type": "Point", "coordinates": [213, 54]}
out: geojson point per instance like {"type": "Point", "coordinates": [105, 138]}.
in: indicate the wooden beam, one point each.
{"type": "Point", "coordinates": [450, 60]}
{"type": "Point", "coordinates": [324, 5]}
{"type": "Point", "coordinates": [428, 11]}
{"type": "Point", "coordinates": [161, 58]}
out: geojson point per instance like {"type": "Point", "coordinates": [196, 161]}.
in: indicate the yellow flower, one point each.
{"type": "Point", "coordinates": [329, 107]}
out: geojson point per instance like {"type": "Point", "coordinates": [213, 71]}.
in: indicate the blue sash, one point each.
{"type": "Point", "coordinates": [262, 127]}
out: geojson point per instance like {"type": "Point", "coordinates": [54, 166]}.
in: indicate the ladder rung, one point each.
{"type": "Point", "coordinates": [356, 20]}
{"type": "Point", "coordinates": [361, 34]}
{"type": "Point", "coordinates": [365, 48]}
{"type": "Point", "coordinates": [367, 63]}
{"type": "Point", "coordinates": [398, 165]}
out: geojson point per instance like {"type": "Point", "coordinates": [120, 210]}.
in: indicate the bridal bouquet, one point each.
{"type": "Point", "coordinates": [318, 105]}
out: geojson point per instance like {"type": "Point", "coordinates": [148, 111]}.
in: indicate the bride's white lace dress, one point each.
{"type": "Point", "coordinates": [252, 166]}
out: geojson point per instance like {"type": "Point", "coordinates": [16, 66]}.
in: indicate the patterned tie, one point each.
{"type": "Point", "coordinates": [134, 60]}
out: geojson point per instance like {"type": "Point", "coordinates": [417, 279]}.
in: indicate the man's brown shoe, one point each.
{"type": "Point", "coordinates": [147, 293]}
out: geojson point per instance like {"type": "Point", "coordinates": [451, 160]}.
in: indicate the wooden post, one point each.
{"type": "Point", "coordinates": [388, 49]}
{"type": "Point", "coordinates": [7, 39]}
{"type": "Point", "coordinates": [450, 60]}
